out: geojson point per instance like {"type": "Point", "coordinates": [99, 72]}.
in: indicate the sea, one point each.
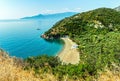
{"type": "Point", "coordinates": [21, 38]}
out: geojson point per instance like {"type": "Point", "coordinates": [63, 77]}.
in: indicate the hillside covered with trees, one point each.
{"type": "Point", "coordinates": [97, 32]}
{"type": "Point", "coordinates": [99, 21]}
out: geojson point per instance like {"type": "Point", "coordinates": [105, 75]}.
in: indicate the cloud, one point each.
{"type": "Point", "coordinates": [71, 10]}
{"type": "Point", "coordinates": [66, 9]}
{"type": "Point", "coordinates": [50, 11]}
{"type": "Point", "coordinates": [46, 11]}
{"type": "Point", "coordinates": [77, 9]}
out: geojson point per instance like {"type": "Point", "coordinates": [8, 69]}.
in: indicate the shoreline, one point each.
{"type": "Point", "coordinates": [68, 54]}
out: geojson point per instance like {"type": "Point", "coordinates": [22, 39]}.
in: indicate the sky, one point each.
{"type": "Point", "coordinates": [14, 9]}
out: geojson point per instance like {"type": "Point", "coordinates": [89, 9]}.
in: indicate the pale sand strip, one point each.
{"type": "Point", "coordinates": [68, 54]}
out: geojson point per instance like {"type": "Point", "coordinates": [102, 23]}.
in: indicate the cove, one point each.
{"type": "Point", "coordinates": [21, 38]}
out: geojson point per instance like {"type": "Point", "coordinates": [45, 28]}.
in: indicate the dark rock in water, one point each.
{"type": "Point", "coordinates": [38, 28]}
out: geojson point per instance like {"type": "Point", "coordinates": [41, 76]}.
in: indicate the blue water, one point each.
{"type": "Point", "coordinates": [21, 38]}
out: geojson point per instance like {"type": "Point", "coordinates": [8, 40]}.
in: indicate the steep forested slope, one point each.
{"type": "Point", "coordinates": [97, 33]}
{"type": "Point", "coordinates": [101, 20]}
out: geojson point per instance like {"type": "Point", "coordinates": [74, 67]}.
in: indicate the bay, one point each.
{"type": "Point", "coordinates": [21, 38]}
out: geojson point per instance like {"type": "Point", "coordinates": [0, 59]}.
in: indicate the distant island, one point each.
{"type": "Point", "coordinates": [46, 16]}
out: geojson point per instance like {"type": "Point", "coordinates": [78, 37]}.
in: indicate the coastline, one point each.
{"type": "Point", "coordinates": [69, 54]}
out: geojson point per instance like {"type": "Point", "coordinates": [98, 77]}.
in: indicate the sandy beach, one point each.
{"type": "Point", "coordinates": [69, 54]}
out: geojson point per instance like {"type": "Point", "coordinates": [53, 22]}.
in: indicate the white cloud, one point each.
{"type": "Point", "coordinates": [66, 9]}
{"type": "Point", "coordinates": [71, 10]}
{"type": "Point", "coordinates": [46, 11]}
{"type": "Point", "coordinates": [77, 9]}
{"type": "Point", "coordinates": [50, 11]}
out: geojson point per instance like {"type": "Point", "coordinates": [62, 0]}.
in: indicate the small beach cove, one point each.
{"type": "Point", "coordinates": [69, 54]}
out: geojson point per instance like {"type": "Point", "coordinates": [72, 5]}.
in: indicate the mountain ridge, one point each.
{"type": "Point", "coordinates": [55, 15]}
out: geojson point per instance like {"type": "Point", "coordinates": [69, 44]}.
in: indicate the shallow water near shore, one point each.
{"type": "Point", "coordinates": [21, 38]}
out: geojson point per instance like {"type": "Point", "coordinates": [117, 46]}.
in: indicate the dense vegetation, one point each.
{"type": "Point", "coordinates": [97, 33]}
{"type": "Point", "coordinates": [99, 21]}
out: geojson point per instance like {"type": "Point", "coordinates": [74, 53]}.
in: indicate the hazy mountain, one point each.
{"type": "Point", "coordinates": [117, 8]}
{"type": "Point", "coordinates": [56, 15]}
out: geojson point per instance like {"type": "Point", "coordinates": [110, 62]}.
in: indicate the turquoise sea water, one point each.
{"type": "Point", "coordinates": [21, 38]}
